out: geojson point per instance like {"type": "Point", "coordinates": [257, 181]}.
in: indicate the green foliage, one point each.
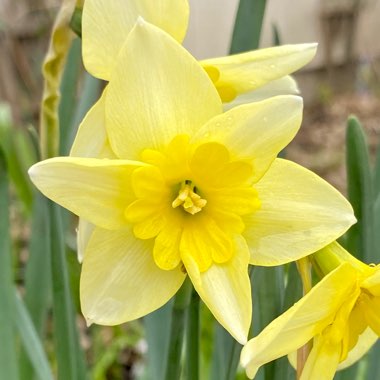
{"type": "Point", "coordinates": [360, 237]}
{"type": "Point", "coordinates": [247, 29]}
{"type": "Point", "coordinates": [19, 155]}
{"type": "Point", "coordinates": [8, 358]}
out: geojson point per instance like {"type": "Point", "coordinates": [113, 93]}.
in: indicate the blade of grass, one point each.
{"type": "Point", "coordinates": [8, 358]}
{"type": "Point", "coordinates": [360, 237]}
{"type": "Point", "coordinates": [31, 341]}
{"type": "Point", "coordinates": [247, 29]}
{"type": "Point", "coordinates": [70, 357]}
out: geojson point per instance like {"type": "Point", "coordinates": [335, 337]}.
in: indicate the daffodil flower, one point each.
{"type": "Point", "coordinates": [186, 189]}
{"type": "Point", "coordinates": [341, 315]}
{"type": "Point", "coordinates": [106, 23]}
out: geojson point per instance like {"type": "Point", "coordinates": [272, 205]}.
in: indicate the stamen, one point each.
{"type": "Point", "coordinates": [189, 199]}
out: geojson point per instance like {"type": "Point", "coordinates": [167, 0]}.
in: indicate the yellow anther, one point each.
{"type": "Point", "coordinates": [189, 199]}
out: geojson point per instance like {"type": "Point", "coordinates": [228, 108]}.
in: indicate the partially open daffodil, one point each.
{"type": "Point", "coordinates": [106, 23]}
{"type": "Point", "coordinates": [186, 189]}
{"type": "Point", "coordinates": [341, 314]}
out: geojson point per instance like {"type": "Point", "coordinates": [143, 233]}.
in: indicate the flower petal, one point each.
{"type": "Point", "coordinates": [120, 280]}
{"type": "Point", "coordinates": [91, 138]}
{"type": "Point", "coordinates": [226, 290]}
{"type": "Point", "coordinates": [300, 213]}
{"type": "Point", "coordinates": [256, 132]}
{"type": "Point", "coordinates": [299, 324]}
{"type": "Point", "coordinates": [84, 232]}
{"type": "Point", "coordinates": [247, 71]}
{"type": "Point", "coordinates": [96, 190]}
{"type": "Point", "coordinates": [105, 25]}
{"type": "Point", "coordinates": [372, 283]}
{"type": "Point", "coordinates": [283, 86]}
{"type": "Point", "coordinates": [157, 91]}
{"type": "Point", "coordinates": [366, 340]}
{"type": "Point", "coordinates": [322, 361]}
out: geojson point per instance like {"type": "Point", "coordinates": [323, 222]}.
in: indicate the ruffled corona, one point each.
{"type": "Point", "coordinates": [190, 191]}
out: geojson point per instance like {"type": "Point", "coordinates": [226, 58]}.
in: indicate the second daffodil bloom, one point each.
{"type": "Point", "coordinates": [341, 315]}
{"type": "Point", "coordinates": [239, 78]}
{"type": "Point", "coordinates": [190, 190]}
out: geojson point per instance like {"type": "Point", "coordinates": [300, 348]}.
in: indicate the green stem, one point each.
{"type": "Point", "coordinates": [192, 338]}
{"type": "Point", "coordinates": [181, 303]}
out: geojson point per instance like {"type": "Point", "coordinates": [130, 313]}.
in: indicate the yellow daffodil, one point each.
{"type": "Point", "coordinates": [186, 189]}
{"type": "Point", "coordinates": [341, 314]}
{"type": "Point", "coordinates": [106, 23]}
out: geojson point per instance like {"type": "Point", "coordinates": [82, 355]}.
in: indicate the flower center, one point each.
{"type": "Point", "coordinates": [189, 199]}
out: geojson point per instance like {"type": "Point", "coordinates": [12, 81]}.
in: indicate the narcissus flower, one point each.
{"type": "Point", "coordinates": [341, 314]}
{"type": "Point", "coordinates": [186, 189]}
{"type": "Point", "coordinates": [256, 74]}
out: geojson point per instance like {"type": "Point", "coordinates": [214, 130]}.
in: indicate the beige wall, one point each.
{"type": "Point", "coordinates": [298, 21]}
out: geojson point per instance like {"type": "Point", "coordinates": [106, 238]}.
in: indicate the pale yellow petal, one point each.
{"type": "Point", "coordinates": [205, 241]}
{"type": "Point", "coordinates": [84, 232]}
{"type": "Point", "coordinates": [91, 138]}
{"type": "Point", "coordinates": [157, 91]}
{"type": "Point", "coordinates": [247, 71]}
{"type": "Point", "coordinates": [226, 290]}
{"type": "Point", "coordinates": [300, 213]}
{"type": "Point", "coordinates": [106, 24]}
{"type": "Point", "coordinates": [283, 86]}
{"type": "Point", "coordinates": [366, 340]}
{"type": "Point", "coordinates": [299, 324]}
{"type": "Point", "coordinates": [166, 247]}
{"type": "Point", "coordinates": [372, 283]}
{"type": "Point", "coordinates": [256, 132]}
{"type": "Point", "coordinates": [120, 280]}
{"type": "Point", "coordinates": [322, 361]}
{"type": "Point", "coordinates": [94, 189]}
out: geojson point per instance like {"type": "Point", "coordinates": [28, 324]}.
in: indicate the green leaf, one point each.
{"type": "Point", "coordinates": [157, 331]}
{"type": "Point", "coordinates": [268, 290]}
{"type": "Point", "coordinates": [373, 363]}
{"type": "Point", "coordinates": [292, 293]}
{"type": "Point", "coordinates": [31, 341]}
{"type": "Point", "coordinates": [89, 95]}
{"type": "Point", "coordinates": [37, 275]}
{"type": "Point", "coordinates": [193, 338]}
{"type": "Point", "coordinates": [360, 237]}
{"type": "Point", "coordinates": [19, 154]}
{"type": "Point", "coordinates": [38, 268]}
{"type": "Point", "coordinates": [376, 182]}
{"type": "Point", "coordinates": [248, 23]}
{"type": "Point", "coordinates": [68, 101]}
{"type": "Point", "coordinates": [376, 212]}
{"type": "Point", "coordinates": [226, 355]}
{"type": "Point", "coordinates": [177, 331]}
{"type": "Point", "coordinates": [8, 359]}
{"type": "Point", "coordinates": [275, 35]}
{"type": "Point", "coordinates": [70, 357]}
